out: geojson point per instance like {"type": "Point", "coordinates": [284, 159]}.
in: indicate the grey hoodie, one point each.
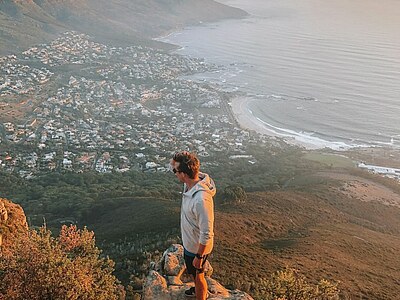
{"type": "Point", "coordinates": [197, 214]}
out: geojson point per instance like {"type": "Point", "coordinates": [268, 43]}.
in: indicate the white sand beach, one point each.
{"type": "Point", "coordinates": [248, 121]}
{"type": "Point", "coordinates": [245, 118]}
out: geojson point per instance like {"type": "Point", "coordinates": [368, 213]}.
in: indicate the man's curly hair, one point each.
{"type": "Point", "coordinates": [188, 163]}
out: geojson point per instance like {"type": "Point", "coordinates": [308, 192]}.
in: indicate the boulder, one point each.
{"type": "Point", "coordinates": [167, 280]}
{"type": "Point", "coordinates": [173, 263]}
{"type": "Point", "coordinates": [155, 287]}
{"type": "Point", "coordinates": [3, 212]}
{"type": "Point", "coordinates": [12, 222]}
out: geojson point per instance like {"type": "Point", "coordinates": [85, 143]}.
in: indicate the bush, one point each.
{"type": "Point", "coordinates": [39, 266]}
{"type": "Point", "coordinates": [234, 194]}
{"type": "Point", "coordinates": [289, 285]}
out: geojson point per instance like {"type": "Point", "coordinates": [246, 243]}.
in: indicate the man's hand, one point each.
{"type": "Point", "coordinates": [197, 263]}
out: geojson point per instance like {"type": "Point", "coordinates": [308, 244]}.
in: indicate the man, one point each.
{"type": "Point", "coordinates": [197, 218]}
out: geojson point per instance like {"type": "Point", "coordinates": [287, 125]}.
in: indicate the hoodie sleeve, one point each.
{"type": "Point", "coordinates": [205, 216]}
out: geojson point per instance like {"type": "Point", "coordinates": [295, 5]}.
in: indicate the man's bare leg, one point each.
{"type": "Point", "coordinates": [201, 286]}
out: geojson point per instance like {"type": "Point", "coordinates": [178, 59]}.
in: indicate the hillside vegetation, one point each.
{"type": "Point", "coordinates": [36, 265]}
{"type": "Point", "coordinates": [288, 212]}
{"type": "Point", "coordinates": [39, 266]}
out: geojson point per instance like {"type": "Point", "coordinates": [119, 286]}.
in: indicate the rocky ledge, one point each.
{"type": "Point", "coordinates": [167, 280]}
{"type": "Point", "coordinates": [12, 222]}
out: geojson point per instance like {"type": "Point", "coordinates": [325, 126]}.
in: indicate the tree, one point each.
{"type": "Point", "coordinates": [234, 194]}
{"type": "Point", "coordinates": [39, 266]}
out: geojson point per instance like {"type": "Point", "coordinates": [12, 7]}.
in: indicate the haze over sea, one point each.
{"type": "Point", "coordinates": [325, 72]}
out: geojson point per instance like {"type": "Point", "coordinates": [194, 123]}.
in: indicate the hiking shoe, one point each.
{"type": "Point", "coordinates": [190, 293]}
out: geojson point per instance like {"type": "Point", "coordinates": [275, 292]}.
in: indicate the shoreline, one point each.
{"type": "Point", "coordinates": [234, 13]}
{"type": "Point", "coordinates": [244, 118]}
{"type": "Point", "coordinates": [380, 156]}
{"type": "Point", "coordinates": [248, 121]}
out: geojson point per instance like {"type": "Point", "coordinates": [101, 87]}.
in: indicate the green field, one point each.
{"type": "Point", "coordinates": [330, 160]}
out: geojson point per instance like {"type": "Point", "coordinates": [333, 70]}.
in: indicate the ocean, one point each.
{"type": "Point", "coordinates": [324, 71]}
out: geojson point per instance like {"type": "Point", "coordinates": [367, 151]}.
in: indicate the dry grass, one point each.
{"type": "Point", "coordinates": [326, 233]}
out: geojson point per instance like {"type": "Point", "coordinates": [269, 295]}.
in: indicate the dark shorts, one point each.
{"type": "Point", "coordinates": [189, 265]}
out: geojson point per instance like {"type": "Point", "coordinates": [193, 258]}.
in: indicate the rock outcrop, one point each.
{"type": "Point", "coordinates": [12, 222]}
{"type": "Point", "coordinates": [168, 281]}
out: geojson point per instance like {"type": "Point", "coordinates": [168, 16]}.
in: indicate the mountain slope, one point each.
{"type": "Point", "coordinates": [23, 23]}
{"type": "Point", "coordinates": [328, 230]}
{"type": "Point", "coordinates": [325, 232]}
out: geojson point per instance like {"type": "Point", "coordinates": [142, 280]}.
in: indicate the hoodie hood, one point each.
{"type": "Point", "coordinates": [205, 184]}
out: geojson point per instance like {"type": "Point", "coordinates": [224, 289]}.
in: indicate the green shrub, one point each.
{"type": "Point", "coordinates": [234, 194]}
{"type": "Point", "coordinates": [290, 285]}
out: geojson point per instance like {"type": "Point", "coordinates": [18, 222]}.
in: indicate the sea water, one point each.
{"type": "Point", "coordinates": [324, 71]}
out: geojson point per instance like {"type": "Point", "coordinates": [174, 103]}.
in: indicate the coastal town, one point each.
{"type": "Point", "coordinates": [75, 105]}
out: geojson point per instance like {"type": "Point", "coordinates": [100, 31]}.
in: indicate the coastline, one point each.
{"type": "Point", "coordinates": [246, 120]}
{"type": "Point", "coordinates": [383, 157]}
{"type": "Point", "coordinates": [231, 13]}
{"type": "Point", "coordinates": [238, 105]}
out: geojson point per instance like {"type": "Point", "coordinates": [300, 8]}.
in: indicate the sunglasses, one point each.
{"type": "Point", "coordinates": [176, 171]}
